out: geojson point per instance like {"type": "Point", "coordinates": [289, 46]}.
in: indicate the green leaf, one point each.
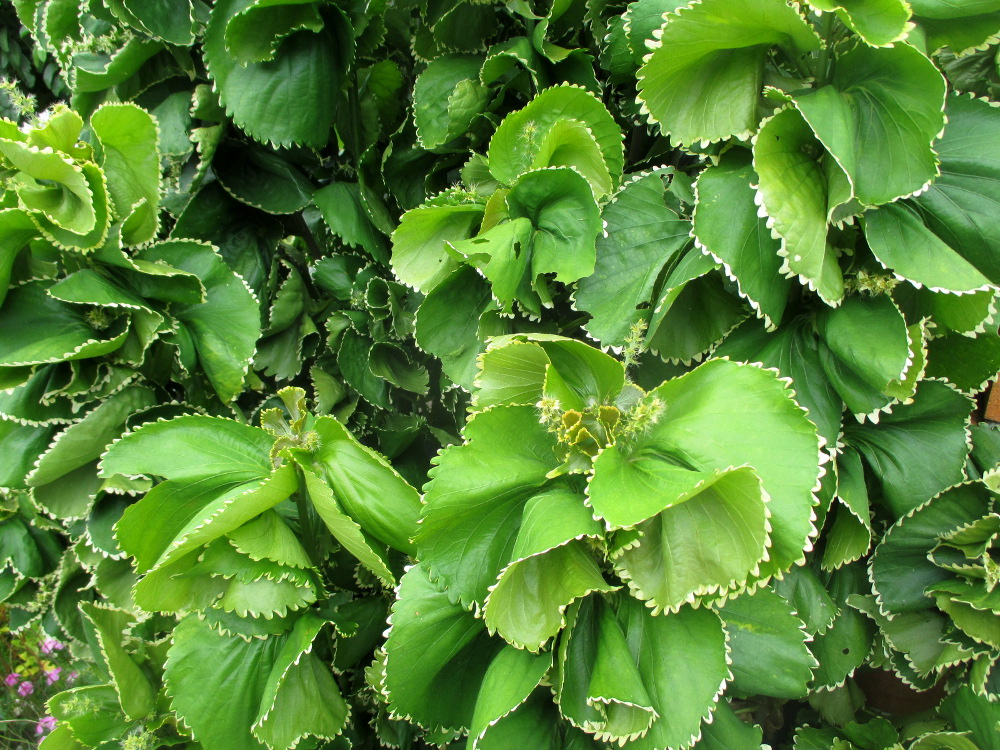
{"type": "Point", "coordinates": [291, 99]}
{"type": "Point", "coordinates": [919, 449]}
{"type": "Point", "coordinates": [598, 686]}
{"type": "Point", "coordinates": [846, 644]}
{"type": "Point", "coordinates": [702, 81]}
{"type": "Point", "coordinates": [268, 537]}
{"type": "Point", "coordinates": [960, 207]}
{"type": "Point", "coordinates": [902, 243]}
{"type": "Point", "coordinates": [135, 692]}
{"type": "Point", "coordinates": [191, 448]}
{"type": "Point", "coordinates": [92, 715]}
{"type": "Point", "coordinates": [84, 441]}
{"type": "Point", "coordinates": [226, 326]}
{"type": "Point", "coordinates": [16, 231]}
{"type": "Point", "coordinates": [962, 35]}
{"type": "Point", "coordinates": [509, 680]}
{"type": "Point", "coordinates": [887, 102]}
{"type": "Point", "coordinates": [709, 540]}
{"type": "Point", "coordinates": [974, 714]}
{"type": "Point", "coordinates": [448, 322]}
{"type": "Point", "coordinates": [301, 699]}
{"type": "Point", "coordinates": [550, 568]}
{"type": "Point", "coordinates": [447, 96]}
{"type": "Point", "coordinates": [342, 209]}
{"type": "Point", "coordinates": [727, 731]}
{"type": "Point", "coordinates": [420, 243]}
{"type": "Point", "coordinates": [878, 23]}
{"type": "Point", "coordinates": [763, 428]}
{"type": "Point", "coordinates": [256, 32]}
{"type": "Point", "coordinates": [726, 225]}
{"type": "Point", "coordinates": [682, 660]}
{"type": "Point", "coordinates": [29, 309]}
{"type": "Point", "coordinates": [127, 137]}
{"type": "Point", "coordinates": [367, 487]}
{"type": "Point", "coordinates": [169, 20]}
{"type": "Point", "coordinates": [969, 364]}
{"type": "Point", "coordinates": [767, 644]}
{"type": "Point", "coordinates": [794, 192]}
{"type": "Point", "coordinates": [344, 529]}
{"type": "Point", "coordinates": [850, 535]}
{"type": "Point", "coordinates": [809, 598]}
{"type": "Point", "coordinates": [900, 568]}
{"type": "Point", "coordinates": [524, 137]}
{"type": "Point", "coordinates": [474, 502]}
{"type": "Point", "coordinates": [642, 235]}
{"type": "Point", "coordinates": [204, 670]}
{"type": "Point", "coordinates": [437, 655]}
{"type": "Point", "coordinates": [262, 179]}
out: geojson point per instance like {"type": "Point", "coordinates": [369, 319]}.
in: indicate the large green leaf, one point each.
{"type": "Point", "coordinates": [135, 692]}
{"type": "Point", "coordinates": [598, 686]}
{"type": "Point", "coordinates": [127, 136]}
{"type": "Point", "coordinates": [705, 75]}
{"type": "Point", "coordinates": [366, 486]}
{"type": "Point", "coordinates": [960, 207]}
{"type": "Point", "coordinates": [291, 99]}
{"type": "Point", "coordinates": [205, 669]}
{"type": "Point", "coordinates": [420, 243]}
{"type": "Point", "coordinates": [437, 655]}
{"type": "Point", "coordinates": [878, 117]}
{"type": "Point", "coordinates": [476, 498]}
{"type": "Point", "coordinates": [641, 235]}
{"type": "Point", "coordinates": [878, 23]}
{"type": "Point", "coordinates": [722, 415]}
{"type": "Point", "coordinates": [510, 679]}
{"type": "Point", "coordinates": [682, 660]}
{"type": "Point", "coordinates": [226, 326]}
{"type": "Point", "coordinates": [726, 225]}
{"type": "Point", "coordinates": [917, 450]}
{"type": "Point", "coordinates": [447, 95]}
{"type": "Point", "coordinates": [795, 193]}
{"type": "Point", "coordinates": [767, 644]}
{"type": "Point", "coordinates": [525, 136]}
{"type": "Point", "coordinates": [301, 699]}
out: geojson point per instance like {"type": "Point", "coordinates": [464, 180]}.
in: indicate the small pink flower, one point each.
{"type": "Point", "coordinates": [12, 679]}
{"type": "Point", "coordinates": [25, 688]}
{"type": "Point", "coordinates": [47, 724]}
{"type": "Point", "coordinates": [71, 677]}
{"type": "Point", "coordinates": [52, 675]}
{"type": "Point", "coordinates": [51, 644]}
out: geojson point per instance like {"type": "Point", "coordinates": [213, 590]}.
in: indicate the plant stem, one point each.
{"type": "Point", "coordinates": [823, 63]}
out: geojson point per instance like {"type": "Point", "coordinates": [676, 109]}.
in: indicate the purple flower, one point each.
{"type": "Point", "coordinates": [71, 677]}
{"type": "Point", "coordinates": [52, 675]}
{"type": "Point", "coordinates": [47, 724]}
{"type": "Point", "coordinates": [25, 688]}
{"type": "Point", "coordinates": [12, 679]}
{"type": "Point", "coordinates": [51, 644]}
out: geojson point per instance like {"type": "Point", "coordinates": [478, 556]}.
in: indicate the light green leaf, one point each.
{"type": "Point", "coordinates": [850, 535]}
{"type": "Point", "coordinates": [682, 660]}
{"type": "Point", "coordinates": [127, 137]}
{"type": "Point", "coordinates": [420, 243]}
{"type": "Point", "coordinates": [722, 415]}
{"type": "Point", "coordinates": [726, 224]}
{"type": "Point", "coordinates": [709, 540]}
{"type": "Point", "coordinates": [84, 441]}
{"type": "Point", "coordinates": [344, 529]}
{"type": "Point", "coordinates": [135, 692]}
{"type": "Point", "coordinates": [809, 598]}
{"type": "Point", "coordinates": [204, 670]}
{"type": "Point", "coordinates": [642, 235]}
{"type": "Point", "coordinates": [887, 102]}
{"type": "Point", "coordinates": [550, 569]}
{"type": "Point", "coordinates": [474, 502]}
{"type": "Point", "coordinates": [879, 23]}
{"type": "Point", "coordinates": [226, 326]}
{"type": "Point", "coordinates": [523, 136]}
{"type": "Point", "coordinates": [16, 231]}
{"type": "Point", "coordinates": [795, 194]}
{"type": "Point", "coordinates": [703, 79]}
{"type": "Point", "coordinates": [301, 699]}
{"type": "Point", "coordinates": [366, 486]}
{"type": "Point", "coordinates": [767, 643]}
{"type": "Point", "coordinates": [509, 680]}
{"type": "Point", "coordinates": [598, 686]}
{"type": "Point", "coordinates": [437, 655]}
{"type": "Point", "coordinates": [268, 537]}
{"type": "Point", "coordinates": [191, 448]}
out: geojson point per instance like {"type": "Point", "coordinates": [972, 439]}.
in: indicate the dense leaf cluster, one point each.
{"type": "Point", "coordinates": [620, 358]}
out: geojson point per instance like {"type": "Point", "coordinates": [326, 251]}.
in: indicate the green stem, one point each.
{"type": "Point", "coordinates": [823, 63]}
